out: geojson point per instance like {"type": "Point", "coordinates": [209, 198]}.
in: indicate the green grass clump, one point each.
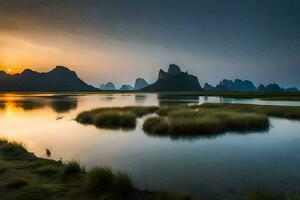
{"type": "Point", "coordinates": [116, 117]}
{"type": "Point", "coordinates": [16, 183]}
{"type": "Point", "coordinates": [156, 125]}
{"type": "Point", "coordinates": [47, 170]}
{"type": "Point", "coordinates": [13, 150]}
{"type": "Point", "coordinates": [199, 125]}
{"type": "Point", "coordinates": [72, 167]}
{"type": "Point", "coordinates": [246, 122]}
{"type": "Point", "coordinates": [196, 120]}
{"type": "Point", "coordinates": [85, 117]}
{"type": "Point", "coordinates": [287, 112]}
{"type": "Point", "coordinates": [293, 197]}
{"type": "Point", "coordinates": [164, 110]}
{"type": "Point", "coordinates": [99, 180]}
{"type": "Point", "coordinates": [103, 181]}
{"type": "Point", "coordinates": [259, 195]}
{"type": "Point", "coordinates": [122, 184]}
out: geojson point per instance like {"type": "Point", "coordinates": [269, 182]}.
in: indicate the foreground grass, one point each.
{"type": "Point", "coordinates": [23, 176]}
{"type": "Point", "coordinates": [116, 117]}
{"type": "Point", "coordinates": [263, 194]}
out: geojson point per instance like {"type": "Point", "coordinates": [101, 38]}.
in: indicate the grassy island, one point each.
{"type": "Point", "coordinates": [116, 117]}
{"type": "Point", "coordinates": [191, 120]}
{"type": "Point", "coordinates": [209, 119]}
{"type": "Point", "coordinates": [194, 121]}
{"type": "Point", "coordinates": [23, 176]}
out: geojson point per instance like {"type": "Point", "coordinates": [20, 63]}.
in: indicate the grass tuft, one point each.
{"type": "Point", "coordinates": [101, 181]}
{"type": "Point", "coordinates": [116, 117]}
{"type": "Point", "coordinates": [12, 149]}
{"type": "Point", "coordinates": [156, 125]}
{"type": "Point", "coordinates": [72, 167]}
{"type": "Point", "coordinates": [293, 197]}
{"type": "Point", "coordinates": [122, 184]}
{"type": "Point", "coordinates": [259, 195]}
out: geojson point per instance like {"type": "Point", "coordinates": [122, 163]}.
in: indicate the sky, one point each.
{"type": "Point", "coordinates": [120, 40]}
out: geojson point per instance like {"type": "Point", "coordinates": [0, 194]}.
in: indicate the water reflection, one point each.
{"type": "Point", "coordinates": [206, 166]}
{"type": "Point", "coordinates": [26, 104]}
{"type": "Point", "coordinates": [193, 137]}
{"type": "Point", "coordinates": [63, 106]}
{"type": "Point", "coordinates": [2, 105]}
{"type": "Point", "coordinates": [171, 99]}
{"type": "Point", "coordinates": [59, 104]}
{"type": "Point", "coordinates": [140, 98]}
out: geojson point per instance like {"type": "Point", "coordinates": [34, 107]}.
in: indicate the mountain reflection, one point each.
{"type": "Point", "coordinates": [193, 137]}
{"type": "Point", "coordinates": [64, 106]}
{"type": "Point", "coordinates": [59, 104]}
{"type": "Point", "coordinates": [140, 98]}
{"type": "Point", "coordinates": [172, 98]}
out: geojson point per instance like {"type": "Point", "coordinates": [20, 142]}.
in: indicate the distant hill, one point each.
{"type": "Point", "coordinates": [58, 79]}
{"type": "Point", "coordinates": [208, 87]}
{"type": "Point", "coordinates": [246, 86]}
{"type": "Point", "coordinates": [140, 83]}
{"type": "Point", "coordinates": [270, 88]}
{"type": "Point", "coordinates": [126, 87]}
{"type": "Point", "coordinates": [236, 86]}
{"type": "Point", "coordinates": [107, 86]}
{"type": "Point", "coordinates": [174, 80]}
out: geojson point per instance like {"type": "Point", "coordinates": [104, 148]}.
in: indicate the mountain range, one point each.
{"type": "Point", "coordinates": [58, 79]}
{"type": "Point", "coordinates": [246, 86]}
{"type": "Point", "coordinates": [62, 79]}
{"type": "Point", "coordinates": [140, 83]}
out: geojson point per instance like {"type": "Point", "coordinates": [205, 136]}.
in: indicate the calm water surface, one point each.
{"type": "Point", "coordinates": [221, 167]}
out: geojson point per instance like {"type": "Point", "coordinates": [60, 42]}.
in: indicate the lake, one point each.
{"type": "Point", "coordinates": [221, 167]}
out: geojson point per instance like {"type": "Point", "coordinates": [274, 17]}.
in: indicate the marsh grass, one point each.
{"type": "Point", "coordinates": [190, 121]}
{"type": "Point", "coordinates": [72, 167]}
{"type": "Point", "coordinates": [156, 125]}
{"type": "Point", "coordinates": [288, 112]}
{"type": "Point", "coordinates": [47, 170]}
{"type": "Point", "coordinates": [122, 184]}
{"type": "Point", "coordinates": [99, 180]}
{"type": "Point", "coordinates": [259, 194]}
{"type": "Point", "coordinates": [293, 197]}
{"type": "Point", "coordinates": [115, 117]}
{"type": "Point", "coordinates": [13, 149]}
{"type": "Point", "coordinates": [105, 181]}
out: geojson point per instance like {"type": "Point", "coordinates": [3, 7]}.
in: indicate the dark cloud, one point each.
{"type": "Point", "coordinates": [244, 38]}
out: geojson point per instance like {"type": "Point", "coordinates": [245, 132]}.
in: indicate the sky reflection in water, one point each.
{"type": "Point", "coordinates": [224, 166]}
